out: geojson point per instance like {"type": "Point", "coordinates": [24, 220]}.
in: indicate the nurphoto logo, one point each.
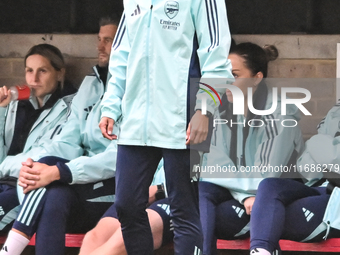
{"type": "Point", "coordinates": [239, 104]}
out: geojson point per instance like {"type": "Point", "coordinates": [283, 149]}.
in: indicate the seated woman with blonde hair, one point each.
{"type": "Point", "coordinates": [29, 126]}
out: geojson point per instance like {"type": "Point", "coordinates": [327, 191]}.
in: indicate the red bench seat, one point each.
{"type": "Point", "coordinates": [330, 245]}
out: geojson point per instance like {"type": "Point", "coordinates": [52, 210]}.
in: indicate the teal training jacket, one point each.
{"type": "Point", "coordinates": [323, 152]}
{"type": "Point", "coordinates": [40, 137]}
{"type": "Point", "coordinates": [92, 157]}
{"type": "Point", "coordinates": [323, 149]}
{"type": "Point", "coordinates": [151, 61]}
{"type": "Point", "coordinates": [271, 144]}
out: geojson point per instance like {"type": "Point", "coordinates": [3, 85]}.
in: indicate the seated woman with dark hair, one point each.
{"type": "Point", "coordinates": [28, 126]}
{"type": "Point", "coordinates": [247, 142]}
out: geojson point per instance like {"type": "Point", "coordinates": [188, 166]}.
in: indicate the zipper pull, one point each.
{"type": "Point", "coordinates": [151, 7]}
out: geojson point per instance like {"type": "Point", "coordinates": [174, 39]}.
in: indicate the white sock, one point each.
{"type": "Point", "coordinates": [256, 251]}
{"type": "Point", "coordinates": [15, 244]}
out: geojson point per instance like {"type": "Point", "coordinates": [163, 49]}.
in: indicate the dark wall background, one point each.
{"type": "Point", "coordinates": [284, 16]}
{"type": "Point", "coordinates": [55, 16]}
{"type": "Point", "coordinates": [245, 16]}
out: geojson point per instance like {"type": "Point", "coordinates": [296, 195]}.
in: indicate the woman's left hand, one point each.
{"type": "Point", "coordinates": [34, 175]}
{"type": "Point", "coordinates": [248, 204]}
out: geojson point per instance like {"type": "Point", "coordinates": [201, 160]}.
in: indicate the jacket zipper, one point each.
{"type": "Point", "coordinates": [147, 76]}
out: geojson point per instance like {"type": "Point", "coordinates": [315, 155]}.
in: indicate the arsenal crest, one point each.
{"type": "Point", "coordinates": [171, 9]}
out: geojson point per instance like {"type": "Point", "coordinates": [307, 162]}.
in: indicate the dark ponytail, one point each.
{"type": "Point", "coordinates": [256, 58]}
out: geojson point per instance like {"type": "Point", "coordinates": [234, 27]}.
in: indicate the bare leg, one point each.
{"type": "Point", "coordinates": [156, 224]}
{"type": "Point", "coordinates": [114, 245]}
{"type": "Point", "coordinates": [98, 236]}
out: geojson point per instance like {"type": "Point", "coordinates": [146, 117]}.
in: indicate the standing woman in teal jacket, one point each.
{"type": "Point", "coordinates": [226, 201]}
{"type": "Point", "coordinates": [28, 126]}
{"type": "Point", "coordinates": [159, 46]}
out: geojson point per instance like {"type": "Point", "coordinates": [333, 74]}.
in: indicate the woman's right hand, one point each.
{"type": "Point", "coordinates": [106, 126]}
{"type": "Point", "coordinates": [5, 96]}
{"type": "Point", "coordinates": [248, 204]}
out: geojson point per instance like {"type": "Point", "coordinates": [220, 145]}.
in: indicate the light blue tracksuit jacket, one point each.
{"type": "Point", "coordinates": [39, 138]}
{"type": "Point", "coordinates": [323, 152]}
{"type": "Point", "coordinates": [150, 65]}
{"type": "Point", "coordinates": [272, 144]}
{"type": "Point", "coordinates": [92, 157]}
